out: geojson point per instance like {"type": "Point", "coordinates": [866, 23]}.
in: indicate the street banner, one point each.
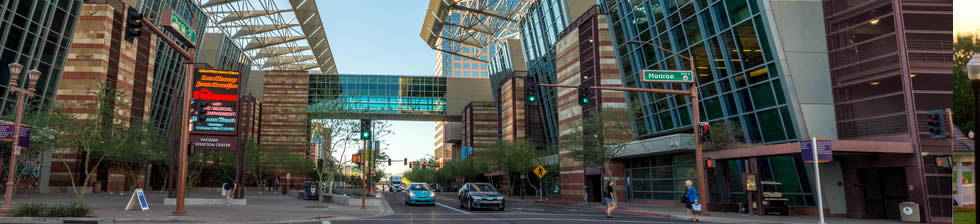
{"type": "Point", "coordinates": [219, 90]}
{"type": "Point", "coordinates": [7, 134]}
{"type": "Point", "coordinates": [824, 153]}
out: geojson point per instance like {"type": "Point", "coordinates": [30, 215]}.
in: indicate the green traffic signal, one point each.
{"type": "Point", "coordinates": [532, 98]}
{"type": "Point", "coordinates": [365, 135]}
{"type": "Point", "coordinates": [585, 100]}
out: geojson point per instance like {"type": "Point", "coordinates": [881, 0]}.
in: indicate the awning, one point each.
{"type": "Point", "coordinates": [794, 148]}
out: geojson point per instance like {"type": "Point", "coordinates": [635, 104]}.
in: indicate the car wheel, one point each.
{"type": "Point", "coordinates": [501, 208]}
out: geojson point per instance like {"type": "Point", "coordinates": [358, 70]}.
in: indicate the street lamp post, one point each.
{"type": "Point", "coordinates": [973, 71]}
{"type": "Point", "coordinates": [703, 196]}
{"type": "Point", "coordinates": [32, 77]}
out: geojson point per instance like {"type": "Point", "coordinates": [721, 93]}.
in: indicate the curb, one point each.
{"type": "Point", "coordinates": [638, 213]}
{"type": "Point", "coordinates": [556, 202]}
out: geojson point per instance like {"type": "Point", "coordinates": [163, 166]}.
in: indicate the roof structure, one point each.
{"type": "Point", "coordinates": [481, 23]}
{"type": "Point", "coordinates": [275, 36]}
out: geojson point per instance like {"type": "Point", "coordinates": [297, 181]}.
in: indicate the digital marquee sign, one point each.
{"type": "Point", "coordinates": [218, 90]}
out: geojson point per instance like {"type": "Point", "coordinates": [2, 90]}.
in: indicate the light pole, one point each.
{"type": "Point", "coordinates": [32, 77]}
{"type": "Point", "coordinates": [703, 196]}
{"type": "Point", "coordinates": [973, 71]}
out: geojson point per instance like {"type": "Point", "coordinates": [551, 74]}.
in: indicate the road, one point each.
{"type": "Point", "coordinates": [447, 211]}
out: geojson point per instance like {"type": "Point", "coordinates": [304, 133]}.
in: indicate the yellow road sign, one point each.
{"type": "Point", "coordinates": [540, 171]}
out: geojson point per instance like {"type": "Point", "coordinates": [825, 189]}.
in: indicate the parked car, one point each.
{"type": "Point", "coordinates": [480, 195]}
{"type": "Point", "coordinates": [773, 200]}
{"type": "Point", "coordinates": [419, 193]}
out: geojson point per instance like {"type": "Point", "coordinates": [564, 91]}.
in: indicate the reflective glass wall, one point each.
{"type": "Point", "coordinates": [379, 94]}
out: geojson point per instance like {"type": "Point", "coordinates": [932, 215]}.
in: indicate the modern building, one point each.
{"type": "Point", "coordinates": [220, 51]}
{"type": "Point", "coordinates": [37, 35]}
{"type": "Point", "coordinates": [854, 74]}
{"type": "Point", "coordinates": [539, 30]}
{"type": "Point", "coordinates": [584, 54]}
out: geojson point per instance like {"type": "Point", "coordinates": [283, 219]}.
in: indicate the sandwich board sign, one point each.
{"type": "Point", "coordinates": [138, 198]}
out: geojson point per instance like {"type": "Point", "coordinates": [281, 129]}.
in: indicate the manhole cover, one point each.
{"type": "Point", "coordinates": [316, 206]}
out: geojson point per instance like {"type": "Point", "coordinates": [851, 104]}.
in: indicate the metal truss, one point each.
{"type": "Point", "coordinates": [275, 36]}
{"type": "Point", "coordinates": [480, 24]}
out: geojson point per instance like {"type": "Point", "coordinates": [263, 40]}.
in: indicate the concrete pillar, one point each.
{"type": "Point", "coordinates": [45, 178]}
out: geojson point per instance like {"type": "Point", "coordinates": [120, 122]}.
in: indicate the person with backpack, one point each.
{"type": "Point", "coordinates": [690, 200]}
{"type": "Point", "coordinates": [610, 198]}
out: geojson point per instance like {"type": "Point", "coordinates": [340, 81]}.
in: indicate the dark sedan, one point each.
{"type": "Point", "coordinates": [480, 195]}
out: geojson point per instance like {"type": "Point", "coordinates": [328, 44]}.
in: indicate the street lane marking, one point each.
{"type": "Point", "coordinates": [324, 222]}
{"type": "Point", "coordinates": [454, 209]}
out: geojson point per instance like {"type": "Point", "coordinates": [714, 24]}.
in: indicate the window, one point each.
{"type": "Point", "coordinates": [483, 58]}
{"type": "Point", "coordinates": [466, 50]}
{"type": "Point", "coordinates": [456, 57]}
{"type": "Point", "coordinates": [455, 73]}
{"type": "Point", "coordinates": [466, 65]}
{"type": "Point", "coordinates": [456, 65]}
{"type": "Point", "coordinates": [466, 74]}
{"type": "Point", "coordinates": [484, 74]}
{"type": "Point", "coordinates": [484, 66]}
{"type": "Point", "coordinates": [476, 65]}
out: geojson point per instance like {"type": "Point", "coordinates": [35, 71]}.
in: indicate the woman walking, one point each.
{"type": "Point", "coordinates": [610, 198]}
{"type": "Point", "coordinates": [691, 201]}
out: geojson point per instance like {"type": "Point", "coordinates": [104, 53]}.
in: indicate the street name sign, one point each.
{"type": "Point", "coordinates": [667, 76]}
{"type": "Point", "coordinates": [540, 171]}
{"type": "Point", "coordinates": [172, 21]}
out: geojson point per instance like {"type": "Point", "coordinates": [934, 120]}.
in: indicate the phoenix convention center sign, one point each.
{"type": "Point", "coordinates": [215, 93]}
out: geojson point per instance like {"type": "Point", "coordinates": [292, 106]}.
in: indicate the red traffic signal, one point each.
{"type": "Point", "coordinates": [423, 165]}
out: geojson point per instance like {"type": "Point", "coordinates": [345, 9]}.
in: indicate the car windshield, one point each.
{"type": "Point", "coordinates": [419, 187]}
{"type": "Point", "coordinates": [482, 188]}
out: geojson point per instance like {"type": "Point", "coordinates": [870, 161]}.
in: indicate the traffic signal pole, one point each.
{"type": "Point", "coordinates": [184, 122]}
{"type": "Point", "coordinates": [363, 179]}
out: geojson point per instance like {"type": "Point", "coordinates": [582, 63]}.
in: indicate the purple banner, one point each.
{"type": "Point", "coordinates": [7, 134]}
{"type": "Point", "coordinates": [824, 153]}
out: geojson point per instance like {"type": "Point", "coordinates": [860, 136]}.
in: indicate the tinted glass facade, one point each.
{"type": "Point", "coordinates": [36, 34]}
{"type": "Point", "coordinates": [736, 68]}
{"type": "Point", "coordinates": [169, 75]}
{"type": "Point", "coordinates": [380, 94]}
{"type": "Point", "coordinates": [540, 28]}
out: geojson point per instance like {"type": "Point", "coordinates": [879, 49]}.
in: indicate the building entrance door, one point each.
{"type": "Point", "coordinates": [594, 187]}
{"type": "Point", "coordinates": [884, 188]}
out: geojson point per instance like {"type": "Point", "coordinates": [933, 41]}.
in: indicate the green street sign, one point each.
{"type": "Point", "coordinates": [667, 76]}
{"type": "Point", "coordinates": [182, 27]}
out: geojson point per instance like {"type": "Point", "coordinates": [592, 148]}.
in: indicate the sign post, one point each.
{"type": "Point", "coordinates": [817, 151]}
{"type": "Point", "coordinates": [540, 171]}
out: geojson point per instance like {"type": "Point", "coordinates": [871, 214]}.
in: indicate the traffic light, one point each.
{"type": "Point", "coordinates": [705, 132]}
{"type": "Point", "coordinates": [405, 161]}
{"type": "Point", "coordinates": [134, 24]}
{"type": "Point", "coordinates": [389, 161]}
{"type": "Point", "coordinates": [365, 129]}
{"type": "Point", "coordinates": [584, 94]}
{"type": "Point", "coordinates": [937, 128]}
{"type": "Point", "coordinates": [423, 165]}
{"type": "Point", "coordinates": [531, 92]}
{"type": "Point", "coordinates": [356, 158]}
{"type": "Point", "coordinates": [710, 163]}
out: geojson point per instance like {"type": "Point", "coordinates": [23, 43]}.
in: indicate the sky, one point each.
{"type": "Point", "coordinates": [965, 18]}
{"type": "Point", "coordinates": [382, 37]}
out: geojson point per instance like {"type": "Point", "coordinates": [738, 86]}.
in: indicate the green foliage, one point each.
{"type": "Point", "coordinates": [34, 209]}
{"type": "Point", "coordinates": [963, 101]}
{"type": "Point", "coordinates": [596, 139]}
{"type": "Point", "coordinates": [28, 209]}
{"type": "Point", "coordinates": [76, 209]}
{"type": "Point", "coordinates": [724, 135]}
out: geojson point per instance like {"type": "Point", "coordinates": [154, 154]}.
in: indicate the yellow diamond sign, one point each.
{"type": "Point", "coordinates": [540, 171]}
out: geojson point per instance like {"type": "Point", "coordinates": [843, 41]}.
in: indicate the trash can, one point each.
{"type": "Point", "coordinates": [909, 211]}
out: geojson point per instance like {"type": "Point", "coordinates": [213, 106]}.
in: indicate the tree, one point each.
{"type": "Point", "coordinates": [94, 136]}
{"type": "Point", "coordinates": [596, 139]}
{"type": "Point", "coordinates": [150, 146]}
{"type": "Point", "coordinates": [724, 135]}
{"type": "Point", "coordinates": [963, 100]}
{"type": "Point", "coordinates": [339, 133]}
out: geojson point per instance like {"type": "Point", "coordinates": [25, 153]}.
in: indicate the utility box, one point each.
{"type": "Point", "coordinates": [909, 211]}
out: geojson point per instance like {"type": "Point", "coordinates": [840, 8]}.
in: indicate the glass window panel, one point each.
{"type": "Point", "coordinates": [758, 75]}
{"type": "Point", "coordinates": [643, 185]}
{"type": "Point", "coordinates": [665, 172]}
{"type": "Point", "coordinates": [678, 33]}
{"type": "Point", "coordinates": [778, 88]}
{"type": "Point", "coordinates": [666, 121]}
{"type": "Point", "coordinates": [663, 161]}
{"type": "Point", "coordinates": [751, 53]}
{"type": "Point", "coordinates": [762, 95]}
{"type": "Point", "coordinates": [685, 115]}
{"type": "Point", "coordinates": [642, 173]}
{"type": "Point", "coordinates": [693, 31]}
{"type": "Point", "coordinates": [771, 125]}
{"type": "Point", "coordinates": [664, 196]}
{"type": "Point", "coordinates": [788, 123]}
{"type": "Point", "coordinates": [738, 10]}
{"type": "Point", "coordinates": [729, 104]}
{"type": "Point", "coordinates": [763, 39]}
{"type": "Point", "coordinates": [752, 128]}
{"type": "Point", "coordinates": [663, 185]}
{"type": "Point", "coordinates": [733, 57]}
{"type": "Point", "coordinates": [712, 108]}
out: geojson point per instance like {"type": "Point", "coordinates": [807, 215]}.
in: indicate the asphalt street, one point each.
{"type": "Point", "coordinates": [447, 211]}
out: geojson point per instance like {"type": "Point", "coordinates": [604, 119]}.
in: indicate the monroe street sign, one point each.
{"type": "Point", "coordinates": [667, 76]}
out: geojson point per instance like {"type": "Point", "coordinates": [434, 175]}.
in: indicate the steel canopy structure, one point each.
{"type": "Point", "coordinates": [272, 34]}
{"type": "Point", "coordinates": [481, 24]}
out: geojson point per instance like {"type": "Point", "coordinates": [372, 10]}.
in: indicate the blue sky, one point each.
{"type": "Point", "coordinates": [382, 37]}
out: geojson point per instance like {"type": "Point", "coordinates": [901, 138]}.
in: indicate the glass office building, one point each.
{"type": "Point", "coordinates": [540, 28]}
{"type": "Point", "coordinates": [378, 94]}
{"type": "Point", "coordinates": [37, 35]}
{"type": "Point", "coordinates": [739, 81]}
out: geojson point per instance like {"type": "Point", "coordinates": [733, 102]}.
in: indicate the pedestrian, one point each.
{"type": "Point", "coordinates": [610, 197]}
{"type": "Point", "coordinates": [263, 187]}
{"type": "Point", "coordinates": [229, 189]}
{"type": "Point", "coordinates": [276, 184]}
{"type": "Point", "coordinates": [690, 200]}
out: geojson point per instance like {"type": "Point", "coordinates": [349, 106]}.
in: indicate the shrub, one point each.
{"type": "Point", "coordinates": [69, 210]}
{"type": "Point", "coordinates": [28, 209]}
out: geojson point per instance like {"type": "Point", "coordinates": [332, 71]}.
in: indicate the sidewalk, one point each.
{"type": "Point", "coordinates": [680, 213]}
{"type": "Point", "coordinates": [260, 208]}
